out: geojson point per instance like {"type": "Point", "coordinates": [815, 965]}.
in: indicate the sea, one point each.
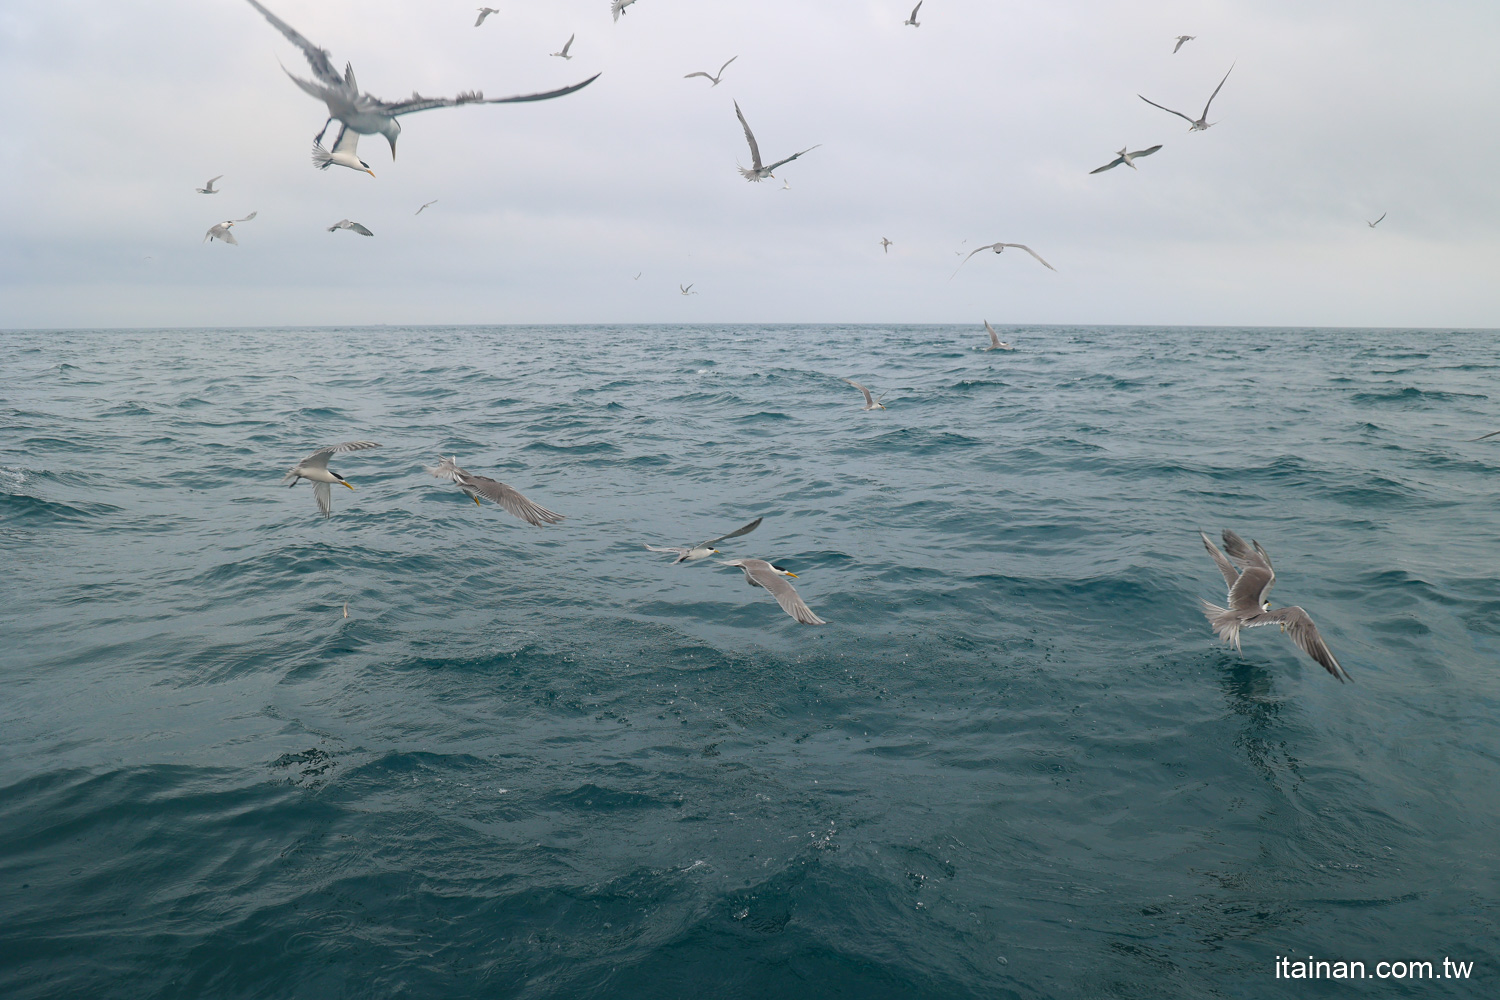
{"type": "Point", "coordinates": [420, 748]}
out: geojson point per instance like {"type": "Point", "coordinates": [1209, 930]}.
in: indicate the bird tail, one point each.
{"type": "Point", "coordinates": [290, 477]}
{"type": "Point", "coordinates": [321, 157]}
{"type": "Point", "coordinates": [1225, 622]}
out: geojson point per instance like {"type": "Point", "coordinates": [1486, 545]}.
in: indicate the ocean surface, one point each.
{"type": "Point", "coordinates": [544, 762]}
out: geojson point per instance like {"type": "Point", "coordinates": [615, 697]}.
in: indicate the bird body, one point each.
{"type": "Point", "coordinates": [350, 225]}
{"type": "Point", "coordinates": [568, 45]}
{"type": "Point", "coordinates": [314, 468]}
{"type": "Point", "coordinates": [1202, 122]}
{"type": "Point", "coordinates": [221, 231]}
{"type": "Point", "coordinates": [1372, 225]}
{"type": "Point", "coordinates": [996, 344]}
{"type": "Point", "coordinates": [1125, 156]}
{"type": "Point", "coordinates": [1182, 40]}
{"type": "Point", "coordinates": [885, 244]}
{"type": "Point", "coordinates": [493, 490]}
{"type": "Point", "coordinates": [871, 403]}
{"type": "Point", "coordinates": [704, 549]}
{"type": "Point", "coordinates": [716, 77]}
{"type": "Point", "coordinates": [617, 7]}
{"type": "Point", "coordinates": [1248, 574]}
{"type": "Point", "coordinates": [913, 19]}
{"type": "Point", "coordinates": [1000, 248]}
{"type": "Point", "coordinates": [484, 12]}
{"type": "Point", "coordinates": [759, 573]}
{"type": "Point", "coordinates": [209, 188]}
{"type": "Point", "coordinates": [756, 172]}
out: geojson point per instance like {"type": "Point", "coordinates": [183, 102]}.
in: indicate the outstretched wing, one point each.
{"type": "Point", "coordinates": [786, 595]}
{"type": "Point", "coordinates": [1216, 90]}
{"type": "Point", "coordinates": [726, 65]}
{"type": "Point", "coordinates": [320, 457]}
{"type": "Point", "coordinates": [1022, 246]}
{"type": "Point", "coordinates": [915, 9]}
{"type": "Point", "coordinates": [508, 497]}
{"type": "Point", "coordinates": [1248, 593]}
{"type": "Point", "coordinates": [322, 493]}
{"type": "Point", "coordinates": [869, 400]}
{"type": "Point", "coordinates": [994, 337]}
{"type": "Point", "coordinates": [569, 44]}
{"type": "Point", "coordinates": [749, 137]}
{"type": "Point", "coordinates": [737, 532]}
{"type": "Point", "coordinates": [1109, 166]}
{"type": "Point", "coordinates": [1146, 152]}
{"type": "Point", "coordinates": [681, 553]}
{"type": "Point", "coordinates": [249, 217]}
{"type": "Point", "coordinates": [789, 159]}
{"type": "Point", "coordinates": [689, 76]}
{"type": "Point", "coordinates": [1179, 114]}
{"type": "Point", "coordinates": [361, 230]}
{"type": "Point", "coordinates": [318, 59]}
{"type": "Point", "coordinates": [1301, 630]}
{"type": "Point", "coordinates": [420, 103]}
{"type": "Point", "coordinates": [1231, 575]}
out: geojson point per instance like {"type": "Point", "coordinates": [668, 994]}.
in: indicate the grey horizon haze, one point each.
{"type": "Point", "coordinates": [981, 126]}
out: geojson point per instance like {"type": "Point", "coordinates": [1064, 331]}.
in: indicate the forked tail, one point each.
{"type": "Point", "coordinates": [1225, 622]}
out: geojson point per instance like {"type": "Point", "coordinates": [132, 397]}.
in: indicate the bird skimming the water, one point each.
{"type": "Point", "coordinates": [756, 172]}
{"type": "Point", "coordinates": [482, 486]}
{"type": "Point", "coordinates": [871, 403]}
{"type": "Point", "coordinates": [1203, 122]}
{"type": "Point", "coordinates": [1125, 157]}
{"type": "Point", "coordinates": [314, 468]}
{"type": "Point", "coordinates": [705, 548]}
{"type": "Point", "coordinates": [759, 573]}
{"type": "Point", "coordinates": [996, 344]}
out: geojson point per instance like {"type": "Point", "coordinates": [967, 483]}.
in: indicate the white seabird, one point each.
{"type": "Point", "coordinates": [714, 79]}
{"type": "Point", "coordinates": [996, 344]}
{"type": "Point", "coordinates": [1125, 156]}
{"type": "Point", "coordinates": [345, 152]}
{"type": "Point", "coordinates": [756, 172]}
{"type": "Point", "coordinates": [1202, 122]}
{"type": "Point", "coordinates": [314, 468]}
{"type": "Point", "coordinates": [885, 244]}
{"type": "Point", "coordinates": [365, 113]}
{"type": "Point", "coordinates": [759, 573]}
{"type": "Point", "coordinates": [1249, 584]}
{"type": "Point", "coordinates": [351, 225]}
{"type": "Point", "coordinates": [209, 187]}
{"type": "Point", "coordinates": [617, 7]}
{"type": "Point", "coordinates": [221, 230]}
{"type": "Point", "coordinates": [1181, 40]}
{"type": "Point", "coordinates": [684, 289]}
{"type": "Point", "coordinates": [871, 403]}
{"type": "Point", "coordinates": [566, 46]}
{"type": "Point", "coordinates": [484, 12]}
{"type": "Point", "coordinates": [913, 19]}
{"type": "Point", "coordinates": [425, 204]}
{"type": "Point", "coordinates": [491, 489]}
{"type": "Point", "coordinates": [703, 549]}
{"type": "Point", "coordinates": [1000, 248]}
{"type": "Point", "coordinates": [1372, 225]}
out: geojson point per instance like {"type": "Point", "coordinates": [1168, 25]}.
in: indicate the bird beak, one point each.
{"type": "Point", "coordinates": [369, 171]}
{"type": "Point", "coordinates": [477, 503]}
{"type": "Point", "coordinates": [347, 484]}
{"type": "Point", "coordinates": [792, 574]}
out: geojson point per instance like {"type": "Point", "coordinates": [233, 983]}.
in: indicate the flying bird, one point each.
{"type": "Point", "coordinates": [885, 244]}
{"type": "Point", "coordinates": [1125, 157]}
{"type": "Point", "coordinates": [1372, 225]}
{"type": "Point", "coordinates": [996, 344]}
{"type": "Point", "coordinates": [482, 486]}
{"type": "Point", "coordinates": [221, 230]}
{"type": "Point", "coordinates": [756, 172]}
{"type": "Point", "coordinates": [1000, 248]}
{"type": "Point", "coordinates": [314, 468]}
{"type": "Point", "coordinates": [913, 19]}
{"type": "Point", "coordinates": [638, 276]}
{"type": "Point", "coordinates": [369, 115]}
{"type": "Point", "coordinates": [617, 7]}
{"type": "Point", "coordinates": [714, 78]}
{"type": "Point", "coordinates": [425, 204]}
{"type": "Point", "coordinates": [786, 184]}
{"type": "Point", "coordinates": [209, 188]}
{"type": "Point", "coordinates": [703, 549]}
{"type": "Point", "coordinates": [350, 225]}
{"type": "Point", "coordinates": [871, 403]}
{"type": "Point", "coordinates": [1203, 122]}
{"type": "Point", "coordinates": [1181, 40]}
{"type": "Point", "coordinates": [568, 45]}
{"type": "Point", "coordinates": [345, 152]}
{"type": "Point", "coordinates": [759, 573]}
{"type": "Point", "coordinates": [684, 289]}
{"type": "Point", "coordinates": [1249, 576]}
{"type": "Point", "coordinates": [484, 12]}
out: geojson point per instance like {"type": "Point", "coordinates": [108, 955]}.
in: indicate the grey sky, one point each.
{"type": "Point", "coordinates": [981, 125]}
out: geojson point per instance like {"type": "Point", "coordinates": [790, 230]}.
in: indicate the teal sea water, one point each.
{"type": "Point", "coordinates": [544, 762]}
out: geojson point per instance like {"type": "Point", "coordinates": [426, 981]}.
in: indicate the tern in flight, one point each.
{"type": "Point", "coordinates": [345, 153]}
{"type": "Point", "coordinates": [484, 12]}
{"type": "Point", "coordinates": [996, 344]}
{"type": "Point", "coordinates": [209, 187]}
{"type": "Point", "coordinates": [759, 573]}
{"type": "Point", "coordinates": [1125, 157]}
{"type": "Point", "coordinates": [425, 204]}
{"type": "Point", "coordinates": [314, 468]}
{"type": "Point", "coordinates": [885, 244]}
{"type": "Point", "coordinates": [369, 115]}
{"type": "Point", "coordinates": [1182, 40]}
{"type": "Point", "coordinates": [1203, 122]}
{"type": "Point", "coordinates": [617, 7]}
{"type": "Point", "coordinates": [1372, 225]}
{"type": "Point", "coordinates": [756, 172]}
{"type": "Point", "coordinates": [508, 497]}
{"type": "Point", "coordinates": [913, 19]}
{"type": "Point", "coordinates": [351, 225]}
{"type": "Point", "coordinates": [684, 289]}
{"type": "Point", "coordinates": [1000, 248]}
{"type": "Point", "coordinates": [871, 403]}
{"type": "Point", "coordinates": [1249, 577]}
{"type": "Point", "coordinates": [221, 231]}
{"type": "Point", "coordinates": [705, 548]}
{"type": "Point", "coordinates": [566, 46]}
{"type": "Point", "coordinates": [715, 78]}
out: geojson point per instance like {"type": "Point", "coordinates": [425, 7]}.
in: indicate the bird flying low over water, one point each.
{"type": "Point", "coordinates": [913, 19]}
{"type": "Point", "coordinates": [221, 230]}
{"type": "Point", "coordinates": [617, 7]}
{"type": "Point", "coordinates": [759, 573]}
{"type": "Point", "coordinates": [1203, 122]}
{"type": "Point", "coordinates": [482, 486]}
{"type": "Point", "coordinates": [756, 172]}
{"type": "Point", "coordinates": [351, 225]}
{"type": "Point", "coordinates": [996, 344]}
{"type": "Point", "coordinates": [1126, 157]}
{"type": "Point", "coordinates": [484, 12]}
{"type": "Point", "coordinates": [1372, 225]}
{"type": "Point", "coordinates": [1249, 576]}
{"type": "Point", "coordinates": [1181, 41]}
{"type": "Point", "coordinates": [715, 78]}
{"type": "Point", "coordinates": [209, 187]}
{"type": "Point", "coordinates": [1000, 248]}
{"type": "Point", "coordinates": [703, 549]}
{"type": "Point", "coordinates": [871, 403]}
{"type": "Point", "coordinates": [314, 468]}
{"type": "Point", "coordinates": [566, 46]}
{"type": "Point", "coordinates": [368, 115]}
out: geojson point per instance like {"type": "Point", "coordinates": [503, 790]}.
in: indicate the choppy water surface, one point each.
{"type": "Point", "coordinates": [546, 763]}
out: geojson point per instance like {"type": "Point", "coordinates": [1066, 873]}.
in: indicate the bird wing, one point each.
{"type": "Point", "coordinates": [1110, 165]}
{"type": "Point", "coordinates": [618, 7]}
{"type": "Point", "coordinates": [1301, 630]}
{"type": "Point", "coordinates": [869, 400]}
{"type": "Point", "coordinates": [420, 103]}
{"type": "Point", "coordinates": [679, 552]}
{"type": "Point", "coordinates": [1179, 114]}
{"type": "Point", "coordinates": [1231, 575]}
{"type": "Point", "coordinates": [789, 159]}
{"type": "Point", "coordinates": [318, 59]}
{"type": "Point", "coordinates": [966, 259]}
{"type": "Point", "coordinates": [347, 142]}
{"type": "Point", "coordinates": [994, 337]}
{"type": "Point", "coordinates": [917, 8]}
{"type": "Point", "coordinates": [569, 44]}
{"type": "Point", "coordinates": [1372, 225]}
{"type": "Point", "coordinates": [1217, 89]}
{"type": "Point", "coordinates": [1248, 593]}
{"type": "Point", "coordinates": [737, 532]}
{"type": "Point", "coordinates": [1181, 41]}
{"type": "Point", "coordinates": [212, 179]}
{"type": "Point", "coordinates": [749, 137]}
{"type": "Point", "coordinates": [322, 493]}
{"type": "Point", "coordinates": [1147, 151]}
{"type": "Point", "coordinates": [1483, 436]}
{"type": "Point", "coordinates": [222, 232]}
{"type": "Point", "coordinates": [341, 224]}
{"type": "Point", "coordinates": [705, 76]}
{"type": "Point", "coordinates": [320, 457]}
{"type": "Point", "coordinates": [1022, 246]}
{"type": "Point", "coordinates": [484, 12]}
{"type": "Point", "coordinates": [726, 65]}
{"type": "Point", "coordinates": [361, 230]}
{"type": "Point", "coordinates": [249, 217]}
{"type": "Point", "coordinates": [508, 497]}
{"type": "Point", "coordinates": [786, 595]}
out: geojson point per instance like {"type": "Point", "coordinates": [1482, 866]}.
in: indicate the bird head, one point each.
{"type": "Point", "coordinates": [366, 167]}
{"type": "Point", "coordinates": [784, 572]}
{"type": "Point", "coordinates": [340, 478]}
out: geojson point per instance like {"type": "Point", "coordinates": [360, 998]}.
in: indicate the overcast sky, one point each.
{"type": "Point", "coordinates": [981, 125]}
